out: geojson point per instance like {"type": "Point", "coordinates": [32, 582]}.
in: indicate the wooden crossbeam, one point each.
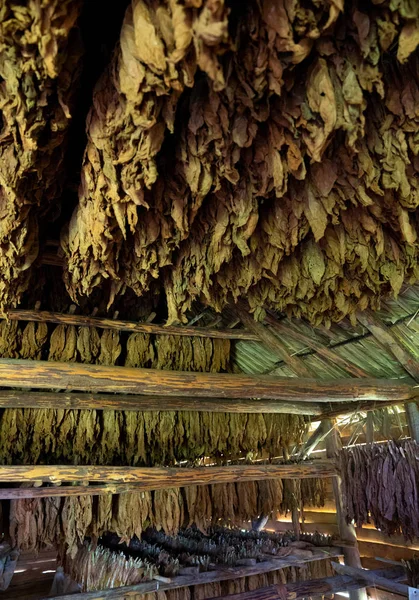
{"type": "Point", "coordinates": [135, 402]}
{"type": "Point", "coordinates": [314, 587]}
{"type": "Point", "coordinates": [372, 579]}
{"type": "Point", "coordinates": [32, 374]}
{"type": "Point", "coordinates": [220, 574]}
{"type": "Point", "coordinates": [45, 316]}
{"type": "Point", "coordinates": [300, 589]}
{"type": "Point", "coordinates": [154, 478]}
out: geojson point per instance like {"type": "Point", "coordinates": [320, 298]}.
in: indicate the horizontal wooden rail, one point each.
{"type": "Point", "coordinates": [80, 400]}
{"type": "Point", "coordinates": [299, 589]}
{"type": "Point", "coordinates": [135, 402]}
{"type": "Point", "coordinates": [314, 587]}
{"type": "Point", "coordinates": [221, 574]}
{"type": "Point", "coordinates": [45, 316]}
{"type": "Point", "coordinates": [98, 378]}
{"type": "Point", "coordinates": [153, 478]}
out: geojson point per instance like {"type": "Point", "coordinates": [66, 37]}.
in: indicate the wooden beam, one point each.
{"type": "Point", "coordinates": [337, 409]}
{"type": "Point", "coordinates": [80, 400]}
{"type": "Point", "coordinates": [45, 316]}
{"type": "Point", "coordinates": [154, 478]}
{"type": "Point", "coordinates": [372, 579]}
{"type": "Point", "coordinates": [346, 531]}
{"type": "Point", "coordinates": [300, 589]}
{"type": "Point", "coordinates": [319, 348]}
{"type": "Point", "coordinates": [221, 574]}
{"type": "Point", "coordinates": [99, 378]}
{"type": "Point", "coordinates": [271, 341]}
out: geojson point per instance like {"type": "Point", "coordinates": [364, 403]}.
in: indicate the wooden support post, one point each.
{"type": "Point", "coordinates": [154, 478]}
{"type": "Point", "coordinates": [412, 413]}
{"type": "Point", "coordinates": [99, 378]}
{"type": "Point", "coordinates": [346, 531]}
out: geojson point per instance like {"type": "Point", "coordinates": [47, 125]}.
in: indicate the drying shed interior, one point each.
{"type": "Point", "coordinates": [209, 299]}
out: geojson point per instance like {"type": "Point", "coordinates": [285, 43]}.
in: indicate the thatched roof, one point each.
{"type": "Point", "coordinates": [354, 343]}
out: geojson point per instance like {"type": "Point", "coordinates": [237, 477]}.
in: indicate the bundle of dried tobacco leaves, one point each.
{"type": "Point", "coordinates": [412, 571]}
{"type": "Point", "coordinates": [158, 554]}
{"type": "Point", "coordinates": [381, 483]}
{"type": "Point", "coordinates": [66, 522]}
{"type": "Point", "coordinates": [290, 175]}
{"type": "Point", "coordinates": [39, 63]}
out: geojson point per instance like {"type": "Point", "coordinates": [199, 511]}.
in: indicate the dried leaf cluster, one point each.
{"type": "Point", "coordinates": [149, 438]}
{"type": "Point", "coordinates": [31, 436]}
{"type": "Point", "coordinates": [40, 52]}
{"type": "Point", "coordinates": [290, 178]}
{"type": "Point", "coordinates": [381, 484]}
{"type": "Point", "coordinates": [66, 522]}
{"type": "Point", "coordinates": [101, 567]}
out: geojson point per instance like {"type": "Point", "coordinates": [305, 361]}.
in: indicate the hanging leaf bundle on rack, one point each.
{"type": "Point", "coordinates": [381, 484]}
{"type": "Point", "coordinates": [129, 514]}
{"type": "Point", "coordinates": [112, 564]}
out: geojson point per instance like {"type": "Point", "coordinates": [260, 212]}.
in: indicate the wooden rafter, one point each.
{"type": "Point", "coordinates": [268, 339]}
{"type": "Point", "coordinates": [154, 478]}
{"type": "Point", "coordinates": [44, 316]}
{"type": "Point", "coordinates": [319, 348]}
{"type": "Point", "coordinates": [17, 373]}
{"type": "Point", "coordinates": [388, 341]}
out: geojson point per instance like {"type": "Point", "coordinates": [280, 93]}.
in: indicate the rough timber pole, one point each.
{"type": "Point", "coordinates": [346, 531]}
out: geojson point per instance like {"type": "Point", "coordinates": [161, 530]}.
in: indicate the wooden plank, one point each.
{"type": "Point", "coordinates": [299, 589]}
{"type": "Point", "coordinates": [99, 378]}
{"type": "Point", "coordinates": [346, 531]}
{"type": "Point", "coordinates": [372, 578]}
{"type": "Point", "coordinates": [45, 316]}
{"type": "Point", "coordinates": [319, 348]}
{"type": "Point", "coordinates": [80, 400]}
{"type": "Point", "coordinates": [153, 478]}
{"type": "Point", "coordinates": [268, 339]}
{"type": "Point", "coordinates": [223, 574]}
